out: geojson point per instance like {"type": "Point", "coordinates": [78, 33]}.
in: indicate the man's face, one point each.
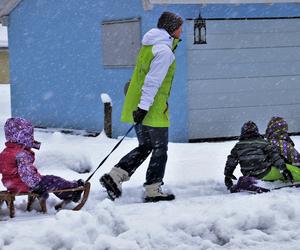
{"type": "Point", "coordinates": [177, 33]}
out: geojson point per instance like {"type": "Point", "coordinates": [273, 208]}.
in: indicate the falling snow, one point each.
{"type": "Point", "coordinates": [203, 216]}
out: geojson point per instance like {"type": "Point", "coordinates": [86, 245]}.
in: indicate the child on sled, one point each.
{"type": "Point", "coordinates": [277, 134]}
{"type": "Point", "coordinates": [258, 159]}
{"type": "Point", "coordinates": [17, 165]}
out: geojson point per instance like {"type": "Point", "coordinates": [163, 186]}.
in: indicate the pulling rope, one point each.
{"type": "Point", "coordinates": [117, 145]}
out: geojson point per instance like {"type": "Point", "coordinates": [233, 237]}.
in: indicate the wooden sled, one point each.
{"type": "Point", "coordinates": [9, 199]}
{"type": "Point", "coordinates": [84, 197]}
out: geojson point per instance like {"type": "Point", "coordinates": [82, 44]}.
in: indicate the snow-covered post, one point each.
{"type": "Point", "coordinates": [107, 114]}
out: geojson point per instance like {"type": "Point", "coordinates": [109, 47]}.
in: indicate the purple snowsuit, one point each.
{"type": "Point", "coordinates": [277, 134]}
{"type": "Point", "coordinates": [19, 136]}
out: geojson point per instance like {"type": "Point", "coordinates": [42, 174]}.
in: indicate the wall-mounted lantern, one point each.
{"type": "Point", "coordinates": [199, 31]}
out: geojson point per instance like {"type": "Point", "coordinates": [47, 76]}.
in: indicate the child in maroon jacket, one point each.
{"type": "Point", "coordinates": [17, 164]}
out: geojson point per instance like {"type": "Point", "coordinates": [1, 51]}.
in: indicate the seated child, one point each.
{"type": "Point", "coordinates": [277, 134]}
{"type": "Point", "coordinates": [258, 159]}
{"type": "Point", "coordinates": [17, 164]}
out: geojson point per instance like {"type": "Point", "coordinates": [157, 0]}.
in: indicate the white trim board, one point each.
{"type": "Point", "coordinates": [3, 36]}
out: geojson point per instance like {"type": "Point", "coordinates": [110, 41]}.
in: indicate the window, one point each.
{"type": "Point", "coordinates": [120, 42]}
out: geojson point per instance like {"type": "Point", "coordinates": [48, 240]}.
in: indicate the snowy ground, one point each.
{"type": "Point", "coordinates": [203, 216]}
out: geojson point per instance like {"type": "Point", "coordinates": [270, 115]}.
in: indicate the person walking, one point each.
{"type": "Point", "coordinates": [146, 106]}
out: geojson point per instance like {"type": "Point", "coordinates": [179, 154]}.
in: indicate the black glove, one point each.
{"type": "Point", "coordinates": [139, 115]}
{"type": "Point", "coordinates": [228, 181]}
{"type": "Point", "coordinates": [287, 175]}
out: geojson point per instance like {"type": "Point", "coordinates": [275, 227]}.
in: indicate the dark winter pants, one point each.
{"type": "Point", "coordinates": [52, 182]}
{"type": "Point", "coordinates": [153, 140]}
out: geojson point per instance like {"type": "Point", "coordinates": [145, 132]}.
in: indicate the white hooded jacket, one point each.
{"type": "Point", "coordinates": [163, 57]}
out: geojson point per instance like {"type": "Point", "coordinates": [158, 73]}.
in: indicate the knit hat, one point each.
{"type": "Point", "coordinates": [249, 130]}
{"type": "Point", "coordinates": [169, 21]}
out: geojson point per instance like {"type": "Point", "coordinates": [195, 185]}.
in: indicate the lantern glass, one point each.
{"type": "Point", "coordinates": [199, 31]}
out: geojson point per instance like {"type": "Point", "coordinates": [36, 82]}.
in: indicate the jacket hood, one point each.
{"type": "Point", "coordinates": [249, 130]}
{"type": "Point", "coordinates": [157, 36]}
{"type": "Point", "coordinates": [277, 128]}
{"type": "Point", "coordinates": [19, 130]}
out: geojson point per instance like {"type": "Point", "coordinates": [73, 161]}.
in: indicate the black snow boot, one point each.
{"type": "Point", "coordinates": [112, 182]}
{"type": "Point", "coordinates": [153, 193]}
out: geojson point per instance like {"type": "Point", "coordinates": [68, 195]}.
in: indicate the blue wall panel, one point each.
{"type": "Point", "coordinates": [56, 66]}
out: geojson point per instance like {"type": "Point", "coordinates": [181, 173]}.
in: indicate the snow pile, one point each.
{"type": "Point", "coordinates": [62, 156]}
{"type": "Point", "coordinates": [57, 159]}
{"type": "Point", "coordinates": [105, 98]}
{"type": "Point", "coordinates": [208, 222]}
{"type": "Point", "coordinates": [69, 230]}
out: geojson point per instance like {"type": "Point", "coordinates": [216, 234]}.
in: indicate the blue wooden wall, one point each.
{"type": "Point", "coordinates": [56, 67]}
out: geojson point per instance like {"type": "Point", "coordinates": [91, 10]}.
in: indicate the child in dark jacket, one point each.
{"type": "Point", "coordinates": [257, 158]}
{"type": "Point", "coordinates": [17, 164]}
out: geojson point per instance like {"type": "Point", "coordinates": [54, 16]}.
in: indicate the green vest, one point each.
{"type": "Point", "coordinates": [158, 114]}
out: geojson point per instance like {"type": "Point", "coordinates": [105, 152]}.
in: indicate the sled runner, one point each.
{"type": "Point", "coordinates": [85, 195]}
{"type": "Point", "coordinates": [251, 185]}
{"type": "Point", "coordinates": [295, 185]}
{"type": "Point", "coordinates": [9, 199]}
{"type": "Point", "coordinates": [266, 190]}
